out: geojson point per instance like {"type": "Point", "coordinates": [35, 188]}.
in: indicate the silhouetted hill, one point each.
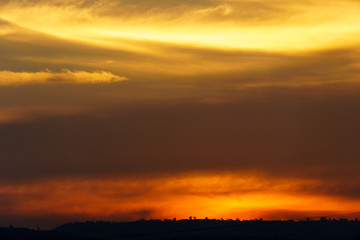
{"type": "Point", "coordinates": [215, 229]}
{"type": "Point", "coordinates": [199, 229]}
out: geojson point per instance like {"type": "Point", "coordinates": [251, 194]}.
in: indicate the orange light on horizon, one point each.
{"type": "Point", "coordinates": [224, 195]}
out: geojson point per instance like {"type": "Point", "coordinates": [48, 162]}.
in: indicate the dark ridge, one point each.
{"type": "Point", "coordinates": [194, 229]}
{"type": "Point", "coordinates": [215, 229]}
{"type": "Point", "coordinates": [12, 233]}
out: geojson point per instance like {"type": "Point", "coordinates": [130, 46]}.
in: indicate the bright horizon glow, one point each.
{"type": "Point", "coordinates": [217, 196]}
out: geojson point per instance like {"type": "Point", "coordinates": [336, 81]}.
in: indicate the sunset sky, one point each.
{"type": "Point", "coordinates": [149, 109]}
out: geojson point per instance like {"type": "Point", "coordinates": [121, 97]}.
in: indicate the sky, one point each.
{"type": "Point", "coordinates": [121, 110]}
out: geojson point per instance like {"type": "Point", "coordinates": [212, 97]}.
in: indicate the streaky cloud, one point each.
{"type": "Point", "coordinates": [8, 78]}
{"type": "Point", "coordinates": [274, 26]}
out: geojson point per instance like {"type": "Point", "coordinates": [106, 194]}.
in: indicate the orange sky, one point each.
{"type": "Point", "coordinates": [127, 109]}
{"type": "Point", "coordinates": [212, 195]}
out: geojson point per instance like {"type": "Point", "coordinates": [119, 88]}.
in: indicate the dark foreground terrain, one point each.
{"type": "Point", "coordinates": [193, 230]}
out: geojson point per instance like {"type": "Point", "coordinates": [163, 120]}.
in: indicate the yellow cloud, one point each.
{"type": "Point", "coordinates": [277, 26]}
{"type": "Point", "coordinates": [48, 77]}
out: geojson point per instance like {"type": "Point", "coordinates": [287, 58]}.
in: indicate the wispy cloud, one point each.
{"type": "Point", "coordinates": [8, 78]}
{"type": "Point", "coordinates": [271, 26]}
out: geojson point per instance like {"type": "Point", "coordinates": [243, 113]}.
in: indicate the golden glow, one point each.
{"type": "Point", "coordinates": [244, 196]}
{"type": "Point", "coordinates": [67, 76]}
{"type": "Point", "coordinates": [310, 25]}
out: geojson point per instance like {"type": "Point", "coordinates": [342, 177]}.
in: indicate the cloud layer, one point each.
{"type": "Point", "coordinates": [260, 25]}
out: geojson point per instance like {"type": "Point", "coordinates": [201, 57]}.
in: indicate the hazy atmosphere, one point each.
{"type": "Point", "coordinates": [142, 109]}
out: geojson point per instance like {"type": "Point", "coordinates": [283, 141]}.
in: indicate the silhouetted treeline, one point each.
{"type": "Point", "coordinates": [194, 229]}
